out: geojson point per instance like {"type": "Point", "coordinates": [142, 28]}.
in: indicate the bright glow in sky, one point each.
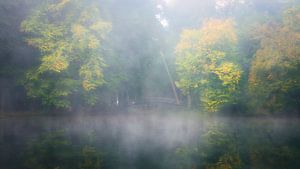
{"type": "Point", "coordinates": [224, 3]}
{"type": "Point", "coordinates": [160, 16]}
{"type": "Point", "coordinates": [168, 1]}
{"type": "Point", "coordinates": [163, 21]}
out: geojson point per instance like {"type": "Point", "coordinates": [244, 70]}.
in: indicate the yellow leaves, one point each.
{"type": "Point", "coordinates": [87, 85]}
{"type": "Point", "coordinates": [291, 17]}
{"type": "Point", "coordinates": [214, 56]}
{"type": "Point", "coordinates": [42, 45]}
{"type": "Point", "coordinates": [279, 50]}
{"type": "Point", "coordinates": [188, 40]}
{"type": "Point", "coordinates": [56, 57]}
{"type": "Point", "coordinates": [212, 98]}
{"type": "Point", "coordinates": [279, 42]}
{"type": "Point", "coordinates": [196, 45]}
{"type": "Point", "coordinates": [91, 79]}
{"type": "Point", "coordinates": [91, 74]}
{"type": "Point", "coordinates": [47, 41]}
{"type": "Point", "coordinates": [229, 74]}
{"type": "Point", "coordinates": [69, 34]}
{"type": "Point", "coordinates": [93, 43]}
{"type": "Point", "coordinates": [273, 71]}
{"type": "Point", "coordinates": [53, 31]}
{"type": "Point", "coordinates": [89, 14]}
{"type": "Point", "coordinates": [79, 31]}
{"type": "Point", "coordinates": [90, 37]}
{"type": "Point", "coordinates": [214, 30]}
{"type": "Point", "coordinates": [55, 62]}
{"type": "Point", "coordinates": [270, 77]}
{"type": "Point", "coordinates": [58, 6]}
{"type": "Point", "coordinates": [101, 26]}
{"type": "Point", "coordinates": [204, 62]}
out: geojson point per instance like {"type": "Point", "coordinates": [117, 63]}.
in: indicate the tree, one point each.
{"type": "Point", "coordinates": [69, 35]}
{"type": "Point", "coordinates": [273, 79]}
{"type": "Point", "coordinates": [206, 63]}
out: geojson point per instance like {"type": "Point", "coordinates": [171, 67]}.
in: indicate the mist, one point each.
{"type": "Point", "coordinates": [144, 84]}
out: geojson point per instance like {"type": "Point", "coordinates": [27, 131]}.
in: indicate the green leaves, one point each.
{"type": "Point", "coordinates": [91, 74]}
{"type": "Point", "coordinates": [58, 150]}
{"type": "Point", "coordinates": [205, 62]}
{"type": "Point", "coordinates": [273, 71]}
{"type": "Point", "coordinates": [69, 35]}
{"type": "Point", "coordinates": [229, 74]}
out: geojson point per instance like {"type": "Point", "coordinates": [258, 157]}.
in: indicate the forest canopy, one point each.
{"type": "Point", "coordinates": [211, 56]}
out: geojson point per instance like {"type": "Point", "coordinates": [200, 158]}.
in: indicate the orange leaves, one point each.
{"type": "Point", "coordinates": [273, 71]}
{"type": "Point", "coordinates": [279, 48]}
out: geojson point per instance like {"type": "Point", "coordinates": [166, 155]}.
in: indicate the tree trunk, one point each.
{"type": "Point", "coordinates": [189, 100]}
{"type": "Point", "coordinates": [2, 102]}
{"type": "Point", "coordinates": [170, 78]}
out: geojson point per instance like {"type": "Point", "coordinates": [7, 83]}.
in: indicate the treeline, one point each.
{"type": "Point", "coordinates": [79, 54]}
{"type": "Point", "coordinates": [242, 63]}
{"type": "Point", "coordinates": [229, 56]}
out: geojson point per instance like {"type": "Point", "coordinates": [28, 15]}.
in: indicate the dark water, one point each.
{"type": "Point", "coordinates": [148, 140]}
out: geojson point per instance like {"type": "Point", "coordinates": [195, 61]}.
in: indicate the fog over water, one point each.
{"type": "Point", "coordinates": [146, 137]}
{"type": "Point", "coordinates": [149, 84]}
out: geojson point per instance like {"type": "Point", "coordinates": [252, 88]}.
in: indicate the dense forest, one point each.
{"type": "Point", "coordinates": [193, 84]}
{"type": "Point", "coordinates": [210, 55]}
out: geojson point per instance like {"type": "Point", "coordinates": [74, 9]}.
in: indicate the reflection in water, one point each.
{"type": "Point", "coordinates": [149, 140]}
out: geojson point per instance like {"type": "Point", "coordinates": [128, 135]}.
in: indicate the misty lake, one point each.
{"type": "Point", "coordinates": [149, 84]}
{"type": "Point", "coordinates": [147, 140]}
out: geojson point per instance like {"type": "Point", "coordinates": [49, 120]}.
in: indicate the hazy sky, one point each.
{"type": "Point", "coordinates": [168, 1]}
